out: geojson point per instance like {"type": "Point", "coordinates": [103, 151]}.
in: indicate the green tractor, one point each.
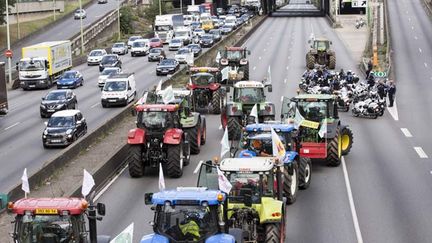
{"type": "Point", "coordinates": [322, 134]}
{"type": "Point", "coordinates": [235, 59]}
{"type": "Point", "coordinates": [320, 53]}
{"type": "Point", "coordinates": [255, 205]}
{"type": "Point", "coordinates": [238, 105]}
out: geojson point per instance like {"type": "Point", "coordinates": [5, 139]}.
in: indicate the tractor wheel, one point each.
{"type": "Point", "coordinates": [290, 183]}
{"type": "Point", "coordinates": [194, 138]}
{"type": "Point", "coordinates": [246, 72]}
{"type": "Point", "coordinates": [216, 102]}
{"type": "Point", "coordinates": [332, 62]}
{"type": "Point", "coordinates": [186, 154]}
{"type": "Point", "coordinates": [334, 150]}
{"type": "Point", "coordinates": [234, 128]}
{"type": "Point", "coordinates": [203, 131]}
{"type": "Point", "coordinates": [347, 140]}
{"type": "Point", "coordinates": [310, 61]}
{"type": "Point", "coordinates": [305, 172]}
{"type": "Point", "coordinates": [174, 164]}
{"type": "Point", "coordinates": [273, 233]}
{"type": "Point", "coordinates": [135, 161]}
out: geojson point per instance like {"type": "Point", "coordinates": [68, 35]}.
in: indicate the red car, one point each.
{"type": "Point", "coordinates": [156, 42]}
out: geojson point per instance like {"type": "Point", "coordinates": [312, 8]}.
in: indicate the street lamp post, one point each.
{"type": "Point", "coordinates": [160, 7]}
{"type": "Point", "coordinates": [54, 9]}
{"type": "Point", "coordinates": [118, 19]}
{"type": "Point", "coordinates": [8, 43]}
{"type": "Point", "coordinates": [81, 27]}
{"type": "Point", "coordinates": [18, 22]}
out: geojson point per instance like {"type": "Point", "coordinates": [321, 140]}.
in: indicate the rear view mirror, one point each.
{"type": "Point", "coordinates": [270, 88]}
{"type": "Point", "coordinates": [101, 209]}
{"type": "Point", "coordinates": [228, 88]}
{"type": "Point", "coordinates": [43, 98]}
{"type": "Point", "coordinates": [129, 88]}
{"type": "Point", "coordinates": [247, 196]}
{"type": "Point", "coordinates": [46, 123]}
{"type": "Point", "coordinates": [148, 198]}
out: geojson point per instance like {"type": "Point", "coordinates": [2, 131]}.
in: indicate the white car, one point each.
{"type": "Point", "coordinates": [175, 44]}
{"type": "Point", "coordinates": [132, 39]}
{"type": "Point", "coordinates": [119, 48]}
{"type": "Point", "coordinates": [198, 32]}
{"type": "Point", "coordinates": [183, 55]}
{"type": "Point", "coordinates": [80, 13]}
{"type": "Point", "coordinates": [102, 1]}
{"type": "Point", "coordinates": [95, 56]}
{"type": "Point", "coordinates": [103, 76]}
{"type": "Point", "coordinates": [140, 47]}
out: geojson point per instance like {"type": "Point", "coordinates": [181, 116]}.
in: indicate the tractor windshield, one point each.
{"type": "Point", "coordinates": [314, 111]}
{"type": "Point", "coordinates": [155, 119]}
{"type": "Point", "coordinates": [253, 183]}
{"type": "Point", "coordinates": [203, 79]}
{"type": "Point", "coordinates": [321, 45]}
{"type": "Point", "coordinates": [48, 228]}
{"type": "Point", "coordinates": [249, 95]}
{"type": "Point", "coordinates": [234, 55]}
{"type": "Point", "coordinates": [186, 223]}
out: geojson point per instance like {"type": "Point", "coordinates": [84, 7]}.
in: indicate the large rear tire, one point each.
{"type": "Point", "coordinates": [290, 183]}
{"type": "Point", "coordinates": [234, 128]}
{"type": "Point", "coordinates": [216, 102]}
{"type": "Point", "coordinates": [310, 61]}
{"type": "Point", "coordinates": [305, 172]}
{"type": "Point", "coordinates": [134, 160]}
{"type": "Point", "coordinates": [273, 233]}
{"type": "Point", "coordinates": [332, 62]}
{"type": "Point", "coordinates": [347, 140]}
{"type": "Point", "coordinates": [203, 130]}
{"type": "Point", "coordinates": [174, 166]}
{"type": "Point", "coordinates": [194, 138]}
{"type": "Point", "coordinates": [246, 72]}
{"type": "Point", "coordinates": [334, 150]}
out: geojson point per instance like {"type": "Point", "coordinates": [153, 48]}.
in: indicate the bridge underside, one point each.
{"type": "Point", "coordinates": [297, 8]}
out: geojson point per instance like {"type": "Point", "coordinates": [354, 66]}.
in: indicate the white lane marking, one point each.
{"type": "Point", "coordinates": [9, 127]}
{"type": "Point", "coordinates": [109, 184]}
{"type": "Point", "coordinates": [289, 57]}
{"type": "Point", "coordinates": [198, 167]}
{"type": "Point", "coordinates": [151, 72]}
{"type": "Point", "coordinates": [409, 19]}
{"type": "Point", "coordinates": [420, 50]}
{"type": "Point", "coordinates": [259, 58]}
{"type": "Point", "coordinates": [351, 202]}
{"type": "Point", "coordinates": [254, 68]}
{"type": "Point", "coordinates": [285, 80]}
{"type": "Point", "coordinates": [393, 110]}
{"type": "Point", "coordinates": [220, 127]}
{"type": "Point", "coordinates": [287, 67]}
{"type": "Point", "coordinates": [93, 106]}
{"type": "Point", "coordinates": [415, 38]}
{"type": "Point", "coordinates": [406, 132]}
{"type": "Point", "coordinates": [421, 153]}
{"type": "Point", "coordinates": [281, 98]}
{"type": "Point", "coordinates": [265, 49]}
{"type": "Point", "coordinates": [267, 43]}
{"type": "Point", "coordinates": [412, 27]}
{"type": "Point", "coordinates": [426, 65]}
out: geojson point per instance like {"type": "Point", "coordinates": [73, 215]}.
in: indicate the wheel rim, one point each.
{"type": "Point", "coordinates": [345, 142]}
{"type": "Point", "coordinates": [307, 173]}
{"type": "Point", "coordinates": [293, 182]}
{"type": "Point", "coordinates": [181, 158]}
{"type": "Point", "coordinates": [199, 137]}
{"type": "Point", "coordinates": [339, 146]}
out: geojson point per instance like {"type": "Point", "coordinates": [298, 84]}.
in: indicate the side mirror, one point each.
{"type": "Point", "coordinates": [148, 198]}
{"type": "Point", "coordinates": [249, 52]}
{"type": "Point", "coordinates": [247, 196]}
{"type": "Point", "coordinates": [79, 123]}
{"type": "Point", "coordinates": [331, 43]}
{"type": "Point", "coordinates": [228, 88]}
{"type": "Point", "coordinates": [101, 209]}
{"type": "Point", "coordinates": [17, 66]}
{"type": "Point", "coordinates": [43, 98]}
{"type": "Point", "coordinates": [309, 41]}
{"type": "Point", "coordinates": [46, 123]}
{"type": "Point", "coordinates": [47, 64]}
{"type": "Point", "coordinates": [270, 88]}
{"type": "Point", "coordinates": [129, 88]}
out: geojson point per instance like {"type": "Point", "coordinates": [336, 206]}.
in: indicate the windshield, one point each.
{"type": "Point", "coordinates": [244, 183]}
{"type": "Point", "coordinates": [133, 38]}
{"type": "Point", "coordinates": [155, 119]}
{"type": "Point", "coordinates": [230, 21]}
{"type": "Point", "coordinates": [118, 45]}
{"type": "Point", "coordinates": [115, 86]}
{"type": "Point", "coordinates": [234, 55]}
{"type": "Point", "coordinates": [107, 71]}
{"type": "Point", "coordinates": [56, 96]}
{"type": "Point", "coordinates": [207, 37]}
{"type": "Point", "coordinates": [107, 59]}
{"type": "Point", "coordinates": [183, 51]}
{"type": "Point", "coordinates": [69, 75]}
{"type": "Point", "coordinates": [155, 40]}
{"type": "Point", "coordinates": [61, 121]}
{"type": "Point", "coordinates": [95, 53]}
{"type": "Point", "coordinates": [139, 44]}
{"type": "Point", "coordinates": [181, 33]}
{"type": "Point", "coordinates": [249, 95]}
{"type": "Point", "coordinates": [163, 28]}
{"type": "Point", "coordinates": [214, 32]}
{"type": "Point", "coordinates": [35, 65]}
{"type": "Point", "coordinates": [314, 111]}
{"type": "Point", "coordinates": [184, 223]}
{"type": "Point", "coordinates": [167, 62]}
{"type": "Point", "coordinates": [202, 79]}
{"type": "Point", "coordinates": [155, 50]}
{"type": "Point", "coordinates": [176, 41]}
{"type": "Point", "coordinates": [44, 228]}
{"type": "Point", "coordinates": [194, 46]}
{"type": "Point", "coordinates": [262, 144]}
{"type": "Point", "coordinates": [321, 45]}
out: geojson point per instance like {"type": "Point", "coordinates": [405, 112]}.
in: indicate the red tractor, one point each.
{"type": "Point", "coordinates": [56, 220]}
{"type": "Point", "coordinates": [205, 84]}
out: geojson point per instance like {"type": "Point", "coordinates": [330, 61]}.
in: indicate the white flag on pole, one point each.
{"type": "Point", "coordinates": [269, 80]}
{"type": "Point", "coordinates": [225, 148]}
{"type": "Point", "coordinates": [161, 178]}
{"type": "Point", "coordinates": [298, 119]}
{"type": "Point", "coordinates": [224, 184]}
{"type": "Point", "coordinates": [323, 130]}
{"type": "Point", "coordinates": [88, 183]}
{"type": "Point", "coordinates": [25, 184]}
{"type": "Point", "coordinates": [225, 72]}
{"type": "Point", "coordinates": [168, 95]}
{"type": "Point", "coordinates": [126, 236]}
{"type": "Point", "coordinates": [254, 113]}
{"type": "Point", "coordinates": [277, 146]}
{"type": "Point", "coordinates": [218, 57]}
{"type": "Point", "coordinates": [159, 86]}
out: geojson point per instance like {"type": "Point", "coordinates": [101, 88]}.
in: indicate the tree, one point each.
{"type": "Point", "coordinates": [3, 10]}
{"type": "Point", "coordinates": [126, 18]}
{"type": "Point", "coordinates": [153, 10]}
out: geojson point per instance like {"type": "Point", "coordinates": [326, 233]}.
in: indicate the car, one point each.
{"type": "Point", "coordinates": [206, 40]}
{"type": "Point", "coordinates": [198, 32]}
{"type": "Point", "coordinates": [155, 43]}
{"type": "Point", "coordinates": [217, 34]}
{"type": "Point", "coordinates": [80, 13]}
{"type": "Point", "coordinates": [226, 29]}
{"type": "Point", "coordinates": [57, 100]}
{"type": "Point", "coordinates": [110, 60]}
{"type": "Point", "coordinates": [183, 54]}
{"type": "Point", "coordinates": [220, 11]}
{"type": "Point", "coordinates": [107, 72]}
{"type": "Point", "coordinates": [195, 48]}
{"type": "Point", "coordinates": [119, 89]}
{"type": "Point", "coordinates": [119, 48]}
{"type": "Point", "coordinates": [70, 79]}
{"type": "Point", "coordinates": [140, 47]}
{"type": "Point", "coordinates": [217, 23]}
{"type": "Point", "coordinates": [175, 44]}
{"type": "Point", "coordinates": [63, 128]}
{"type": "Point", "coordinates": [195, 25]}
{"type": "Point", "coordinates": [167, 66]}
{"type": "Point", "coordinates": [156, 54]}
{"type": "Point", "coordinates": [95, 56]}
{"type": "Point", "coordinates": [132, 39]}
{"type": "Point", "coordinates": [102, 1]}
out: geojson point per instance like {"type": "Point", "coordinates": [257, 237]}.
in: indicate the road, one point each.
{"type": "Point", "coordinates": [388, 196]}
{"type": "Point", "coordinates": [64, 30]}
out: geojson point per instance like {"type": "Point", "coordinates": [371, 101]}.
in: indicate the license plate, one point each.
{"type": "Point", "coordinates": [55, 141]}
{"type": "Point", "coordinates": [50, 110]}
{"type": "Point", "coordinates": [165, 71]}
{"type": "Point", "coordinates": [32, 86]}
{"type": "Point", "coordinates": [111, 100]}
{"type": "Point", "coordinates": [46, 211]}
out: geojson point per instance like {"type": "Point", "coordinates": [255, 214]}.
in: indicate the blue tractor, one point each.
{"type": "Point", "coordinates": [257, 141]}
{"type": "Point", "coordinates": [188, 214]}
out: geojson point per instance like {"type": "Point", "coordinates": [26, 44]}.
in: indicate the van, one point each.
{"type": "Point", "coordinates": [140, 47]}
{"type": "Point", "coordinates": [119, 89]}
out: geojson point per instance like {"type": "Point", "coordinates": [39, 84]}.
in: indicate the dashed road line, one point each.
{"type": "Point", "coordinates": [412, 27]}
{"type": "Point", "coordinates": [254, 68]}
{"type": "Point", "coordinates": [13, 125]}
{"type": "Point", "coordinates": [421, 153]}
{"type": "Point", "coordinates": [426, 65]}
{"type": "Point", "coordinates": [198, 167]}
{"type": "Point", "coordinates": [220, 127]}
{"type": "Point", "coordinates": [259, 58]}
{"type": "Point", "coordinates": [415, 38]}
{"type": "Point", "coordinates": [265, 49]}
{"type": "Point", "coordinates": [109, 184]}
{"type": "Point", "coordinates": [287, 67]}
{"type": "Point", "coordinates": [406, 132]}
{"type": "Point", "coordinates": [285, 81]}
{"type": "Point", "coordinates": [93, 106]}
{"type": "Point", "coordinates": [281, 98]}
{"type": "Point", "coordinates": [420, 50]}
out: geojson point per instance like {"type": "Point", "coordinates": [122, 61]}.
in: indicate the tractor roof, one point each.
{"type": "Point", "coordinates": [234, 48]}
{"type": "Point", "coordinates": [157, 107]}
{"type": "Point", "coordinates": [53, 206]}
{"type": "Point", "coordinates": [247, 165]}
{"type": "Point", "coordinates": [314, 97]}
{"type": "Point", "coordinates": [178, 92]}
{"type": "Point", "coordinates": [204, 69]}
{"type": "Point", "coordinates": [249, 84]}
{"type": "Point", "coordinates": [189, 196]}
{"type": "Point", "coordinates": [321, 39]}
{"type": "Point", "coordinates": [263, 127]}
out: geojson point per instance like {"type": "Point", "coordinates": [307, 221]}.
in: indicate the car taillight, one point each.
{"type": "Point", "coordinates": [277, 214]}
{"type": "Point", "coordinates": [268, 108]}
{"type": "Point", "coordinates": [234, 109]}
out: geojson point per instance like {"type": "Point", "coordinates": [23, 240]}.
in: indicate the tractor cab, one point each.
{"type": "Point", "coordinates": [157, 117]}
{"type": "Point", "coordinates": [204, 77]}
{"type": "Point", "coordinates": [321, 45]}
{"type": "Point", "coordinates": [234, 56]}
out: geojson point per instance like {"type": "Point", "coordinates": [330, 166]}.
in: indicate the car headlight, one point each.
{"type": "Point", "coordinates": [60, 106]}
{"type": "Point", "coordinates": [69, 131]}
{"type": "Point", "coordinates": [42, 106]}
{"type": "Point", "coordinates": [45, 132]}
{"type": "Point", "coordinates": [171, 68]}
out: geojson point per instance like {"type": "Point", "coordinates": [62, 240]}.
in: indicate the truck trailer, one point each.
{"type": "Point", "coordinates": [3, 90]}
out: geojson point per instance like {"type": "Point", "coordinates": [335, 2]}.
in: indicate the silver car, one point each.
{"type": "Point", "coordinates": [119, 48]}
{"type": "Point", "coordinates": [175, 44]}
{"type": "Point", "coordinates": [95, 56]}
{"type": "Point", "coordinates": [80, 13]}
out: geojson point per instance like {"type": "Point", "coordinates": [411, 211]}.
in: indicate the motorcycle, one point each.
{"type": "Point", "coordinates": [367, 108]}
{"type": "Point", "coordinates": [344, 99]}
{"type": "Point", "coordinates": [360, 23]}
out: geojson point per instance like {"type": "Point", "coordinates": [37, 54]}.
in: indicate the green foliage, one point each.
{"type": "Point", "coordinates": [3, 10]}
{"type": "Point", "coordinates": [126, 18]}
{"type": "Point", "coordinates": [151, 11]}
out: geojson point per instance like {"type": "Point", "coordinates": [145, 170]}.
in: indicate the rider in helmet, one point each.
{"type": "Point", "coordinates": [189, 227]}
{"type": "Point", "coordinates": [257, 147]}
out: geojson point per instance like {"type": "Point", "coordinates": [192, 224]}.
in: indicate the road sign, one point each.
{"type": "Point", "coordinates": [359, 3]}
{"type": "Point", "coordinates": [8, 53]}
{"type": "Point", "coordinates": [380, 74]}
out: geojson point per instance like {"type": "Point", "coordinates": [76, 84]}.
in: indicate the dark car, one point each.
{"type": "Point", "coordinates": [195, 48]}
{"type": "Point", "coordinates": [155, 42]}
{"type": "Point", "coordinates": [70, 79]}
{"type": "Point", "coordinates": [220, 11]}
{"type": "Point", "coordinates": [57, 100]}
{"type": "Point", "coordinates": [226, 29]}
{"type": "Point", "coordinates": [217, 34]}
{"type": "Point", "coordinates": [63, 128]}
{"type": "Point", "coordinates": [167, 66]}
{"type": "Point", "coordinates": [207, 40]}
{"type": "Point", "coordinates": [195, 25]}
{"type": "Point", "coordinates": [156, 54]}
{"type": "Point", "coordinates": [110, 60]}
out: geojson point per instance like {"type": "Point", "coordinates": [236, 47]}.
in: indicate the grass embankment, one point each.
{"type": "Point", "coordinates": [29, 27]}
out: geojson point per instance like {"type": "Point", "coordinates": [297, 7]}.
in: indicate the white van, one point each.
{"type": "Point", "coordinates": [231, 21]}
{"type": "Point", "coordinates": [140, 47]}
{"type": "Point", "coordinates": [119, 89]}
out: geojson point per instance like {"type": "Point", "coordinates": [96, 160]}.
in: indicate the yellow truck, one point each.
{"type": "Point", "coordinates": [207, 25]}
